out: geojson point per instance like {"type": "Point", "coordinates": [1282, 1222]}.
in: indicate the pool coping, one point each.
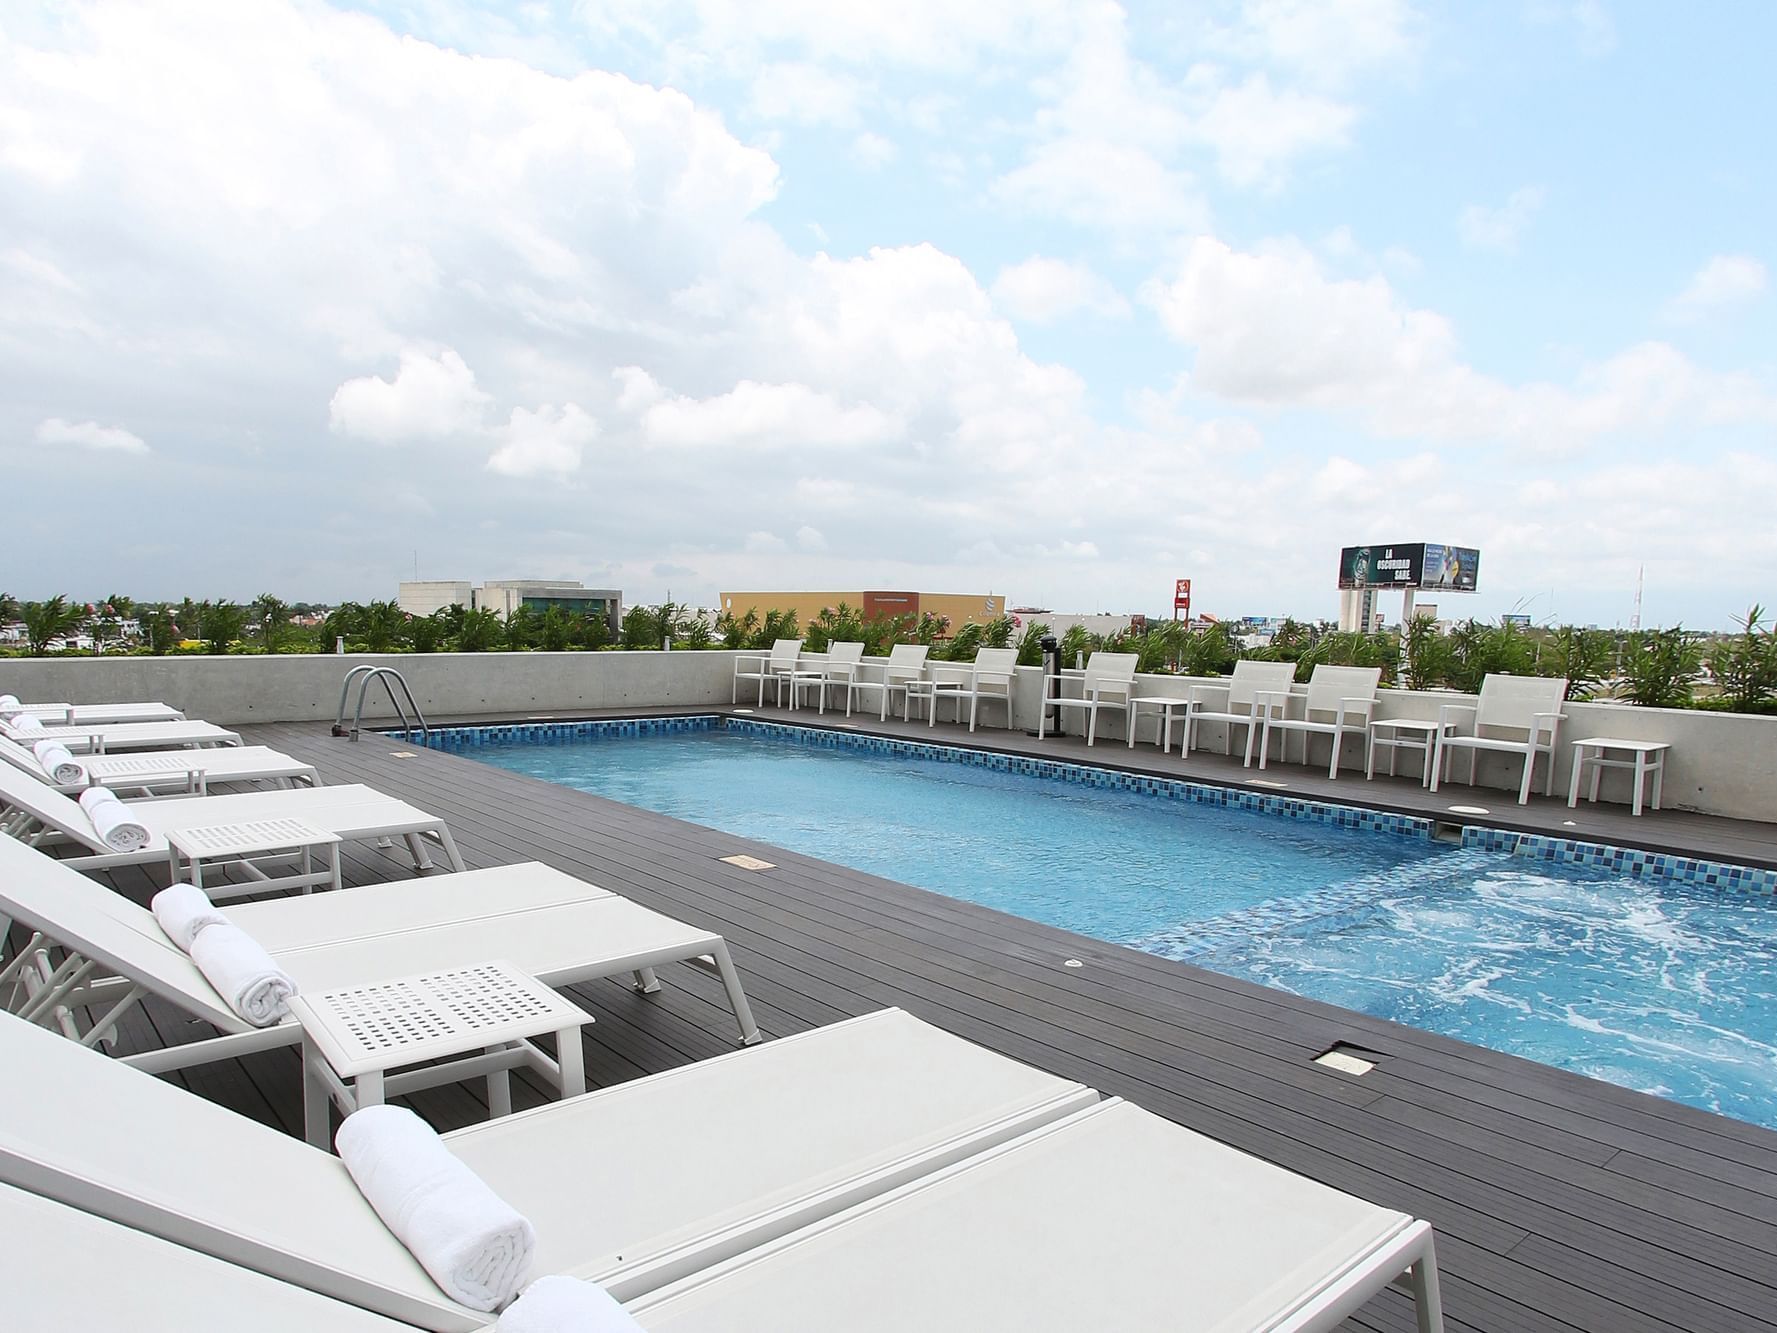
{"type": "Point", "coordinates": [1672, 866]}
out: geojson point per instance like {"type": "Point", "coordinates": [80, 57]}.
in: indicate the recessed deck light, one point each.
{"type": "Point", "coordinates": [1353, 1060]}
{"type": "Point", "coordinates": [1265, 782]}
{"type": "Point", "coordinates": [1073, 962]}
{"type": "Point", "coordinates": [401, 754]}
{"type": "Point", "coordinates": [747, 862]}
{"type": "Point", "coordinates": [740, 710]}
{"type": "Point", "coordinates": [1470, 810]}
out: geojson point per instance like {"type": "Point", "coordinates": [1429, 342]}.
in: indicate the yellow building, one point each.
{"type": "Point", "coordinates": [960, 608]}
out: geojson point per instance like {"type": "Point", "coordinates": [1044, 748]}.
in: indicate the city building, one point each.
{"type": "Point", "coordinates": [504, 596]}
{"type": "Point", "coordinates": [959, 608]}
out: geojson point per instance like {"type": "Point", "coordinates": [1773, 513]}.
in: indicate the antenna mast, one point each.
{"type": "Point", "coordinates": [1635, 620]}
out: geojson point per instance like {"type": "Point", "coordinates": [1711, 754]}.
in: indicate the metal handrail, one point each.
{"type": "Point", "coordinates": [364, 673]}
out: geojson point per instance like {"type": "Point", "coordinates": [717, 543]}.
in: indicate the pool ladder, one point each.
{"type": "Point", "coordinates": [364, 673]}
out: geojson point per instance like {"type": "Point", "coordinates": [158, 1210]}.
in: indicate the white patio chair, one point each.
{"type": "Point", "coordinates": [688, 1168]}
{"type": "Point", "coordinates": [110, 737]}
{"type": "Point", "coordinates": [1235, 703]}
{"type": "Point", "coordinates": [87, 715]}
{"type": "Point", "coordinates": [837, 668]}
{"type": "Point", "coordinates": [559, 929]}
{"type": "Point", "coordinates": [905, 662]}
{"type": "Point", "coordinates": [172, 772]}
{"type": "Point", "coordinates": [991, 676]}
{"type": "Point", "coordinates": [1338, 703]}
{"type": "Point", "coordinates": [1517, 715]}
{"type": "Point", "coordinates": [1108, 683]}
{"type": "Point", "coordinates": [43, 817]}
{"type": "Point", "coordinates": [775, 667]}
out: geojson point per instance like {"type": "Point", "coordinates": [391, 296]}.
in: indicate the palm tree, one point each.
{"type": "Point", "coordinates": [272, 617]}
{"type": "Point", "coordinates": [48, 621]}
{"type": "Point", "coordinates": [219, 624]}
{"type": "Point", "coordinates": [385, 627]}
{"type": "Point", "coordinates": [9, 606]}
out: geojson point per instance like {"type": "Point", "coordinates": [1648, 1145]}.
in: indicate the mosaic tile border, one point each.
{"type": "Point", "coordinates": [1319, 812]}
{"type": "Point", "coordinates": [1631, 861]}
{"type": "Point", "coordinates": [455, 739]}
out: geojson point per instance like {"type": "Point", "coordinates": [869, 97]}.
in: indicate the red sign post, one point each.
{"type": "Point", "coordinates": [1181, 599]}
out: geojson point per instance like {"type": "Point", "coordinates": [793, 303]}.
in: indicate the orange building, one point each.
{"type": "Point", "coordinates": [960, 608]}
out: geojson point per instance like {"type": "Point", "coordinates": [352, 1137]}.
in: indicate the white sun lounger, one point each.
{"type": "Point", "coordinates": [1110, 1219]}
{"type": "Point", "coordinates": [107, 738]}
{"type": "Point", "coordinates": [86, 715]}
{"type": "Point", "coordinates": [632, 1186]}
{"type": "Point", "coordinates": [145, 1284]}
{"type": "Point", "coordinates": [559, 929]}
{"type": "Point", "coordinates": [175, 772]}
{"type": "Point", "coordinates": [44, 817]}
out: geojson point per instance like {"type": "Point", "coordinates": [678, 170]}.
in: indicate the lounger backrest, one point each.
{"type": "Point", "coordinates": [911, 656]}
{"type": "Point", "coordinates": [48, 806]}
{"type": "Point", "coordinates": [844, 653]}
{"type": "Point", "coordinates": [1331, 684]}
{"type": "Point", "coordinates": [1110, 670]}
{"type": "Point", "coordinates": [785, 652]}
{"type": "Point", "coordinates": [996, 661]}
{"type": "Point", "coordinates": [21, 758]}
{"type": "Point", "coordinates": [83, 915]}
{"type": "Point", "coordinates": [1514, 701]}
{"type": "Point", "coordinates": [80, 1127]}
{"type": "Point", "coordinates": [1252, 677]}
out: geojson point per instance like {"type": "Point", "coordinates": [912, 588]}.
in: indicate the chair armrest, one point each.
{"type": "Point", "coordinates": [1192, 693]}
{"type": "Point", "coordinates": [1267, 700]}
{"type": "Point", "coordinates": [1553, 719]}
{"type": "Point", "coordinates": [1364, 706]}
{"type": "Point", "coordinates": [753, 660]}
{"type": "Point", "coordinates": [1445, 719]}
{"type": "Point", "coordinates": [995, 676]}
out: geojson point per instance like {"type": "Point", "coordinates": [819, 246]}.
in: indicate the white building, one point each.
{"type": "Point", "coordinates": [504, 596]}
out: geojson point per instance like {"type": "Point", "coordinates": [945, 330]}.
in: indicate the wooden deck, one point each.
{"type": "Point", "coordinates": [1560, 1203]}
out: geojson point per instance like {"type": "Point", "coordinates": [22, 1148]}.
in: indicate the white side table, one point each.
{"type": "Point", "coordinates": [352, 1038]}
{"type": "Point", "coordinates": [1169, 706]}
{"type": "Point", "coordinates": [224, 843]}
{"type": "Point", "coordinates": [1403, 734]}
{"type": "Point", "coordinates": [1648, 761]}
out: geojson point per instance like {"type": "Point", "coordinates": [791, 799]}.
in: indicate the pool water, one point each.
{"type": "Point", "coordinates": [1661, 987]}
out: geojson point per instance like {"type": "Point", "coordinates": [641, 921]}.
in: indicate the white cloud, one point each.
{"type": "Point", "coordinates": [1725, 281]}
{"type": "Point", "coordinates": [432, 396]}
{"type": "Point", "coordinates": [1329, 43]}
{"type": "Point", "coordinates": [766, 416]}
{"type": "Point", "coordinates": [1257, 132]}
{"type": "Point", "coordinates": [1269, 327]}
{"type": "Point", "coordinates": [90, 435]}
{"type": "Point", "coordinates": [1043, 290]}
{"type": "Point", "coordinates": [764, 543]}
{"type": "Point", "coordinates": [807, 94]}
{"type": "Point", "coordinates": [810, 539]}
{"type": "Point", "coordinates": [1100, 183]}
{"type": "Point", "coordinates": [873, 151]}
{"type": "Point", "coordinates": [546, 442]}
{"type": "Point", "coordinates": [1483, 228]}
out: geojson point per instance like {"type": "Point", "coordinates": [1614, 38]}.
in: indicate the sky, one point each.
{"type": "Point", "coordinates": [1058, 301]}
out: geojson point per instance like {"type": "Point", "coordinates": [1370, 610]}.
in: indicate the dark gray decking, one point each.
{"type": "Point", "coordinates": [1560, 1203]}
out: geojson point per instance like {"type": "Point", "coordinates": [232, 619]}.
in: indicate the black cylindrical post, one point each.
{"type": "Point", "coordinates": [1052, 672]}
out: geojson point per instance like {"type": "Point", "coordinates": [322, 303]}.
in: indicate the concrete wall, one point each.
{"type": "Point", "coordinates": [1720, 763]}
{"type": "Point", "coordinates": [229, 690]}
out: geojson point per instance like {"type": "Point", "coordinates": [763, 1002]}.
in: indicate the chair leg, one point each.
{"type": "Point", "coordinates": [1264, 746]}
{"type": "Point", "coordinates": [1529, 774]}
{"type": "Point", "coordinates": [1091, 725]}
{"type": "Point", "coordinates": [1437, 761]}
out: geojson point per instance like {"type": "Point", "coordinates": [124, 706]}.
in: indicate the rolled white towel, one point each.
{"type": "Point", "coordinates": [566, 1305]}
{"type": "Point", "coordinates": [26, 724]}
{"type": "Point", "coordinates": [183, 910]}
{"type": "Point", "coordinates": [59, 764]}
{"type": "Point", "coordinates": [243, 973]}
{"type": "Point", "coordinates": [111, 817]}
{"type": "Point", "coordinates": [10, 706]}
{"type": "Point", "coordinates": [476, 1246]}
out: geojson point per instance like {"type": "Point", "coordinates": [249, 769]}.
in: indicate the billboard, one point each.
{"type": "Point", "coordinates": [1414, 565]}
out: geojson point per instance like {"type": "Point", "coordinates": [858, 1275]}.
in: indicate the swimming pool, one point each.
{"type": "Point", "coordinates": [1657, 985]}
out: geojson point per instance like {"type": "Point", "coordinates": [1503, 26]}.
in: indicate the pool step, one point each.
{"type": "Point", "coordinates": [1332, 908]}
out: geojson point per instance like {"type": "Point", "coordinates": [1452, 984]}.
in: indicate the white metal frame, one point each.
{"type": "Point", "coordinates": [777, 666]}
{"type": "Point", "coordinates": [993, 676]}
{"type": "Point", "coordinates": [1649, 762]}
{"type": "Point", "coordinates": [905, 662]}
{"type": "Point", "coordinates": [1224, 702]}
{"type": "Point", "coordinates": [1530, 705]}
{"type": "Point", "coordinates": [1107, 682]}
{"type": "Point", "coordinates": [1334, 691]}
